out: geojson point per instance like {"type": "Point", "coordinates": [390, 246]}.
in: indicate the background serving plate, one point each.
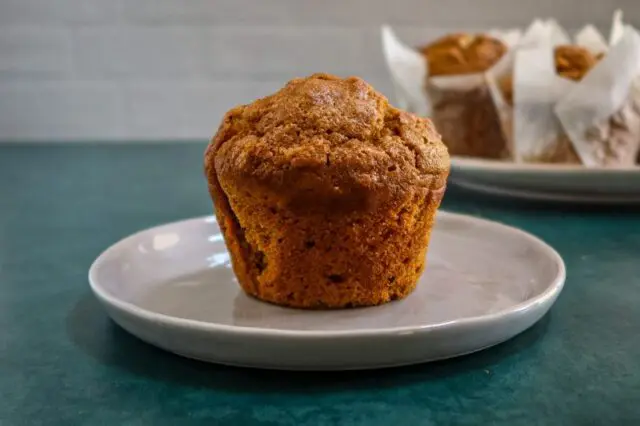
{"type": "Point", "coordinates": [553, 182]}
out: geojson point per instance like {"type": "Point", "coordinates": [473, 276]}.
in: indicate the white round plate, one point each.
{"type": "Point", "coordinates": [173, 287]}
{"type": "Point", "coordinates": [552, 182]}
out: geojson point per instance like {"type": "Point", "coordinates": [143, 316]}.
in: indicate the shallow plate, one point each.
{"type": "Point", "coordinates": [552, 182]}
{"type": "Point", "coordinates": [173, 287]}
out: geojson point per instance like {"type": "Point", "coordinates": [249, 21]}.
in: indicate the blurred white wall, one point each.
{"type": "Point", "coordinates": [169, 69]}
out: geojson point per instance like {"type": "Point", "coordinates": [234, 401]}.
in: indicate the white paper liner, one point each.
{"type": "Point", "coordinates": [544, 32]}
{"type": "Point", "coordinates": [503, 70]}
{"type": "Point", "coordinates": [408, 71]}
{"type": "Point", "coordinates": [617, 28]}
{"type": "Point", "coordinates": [590, 38]}
{"type": "Point", "coordinates": [537, 88]}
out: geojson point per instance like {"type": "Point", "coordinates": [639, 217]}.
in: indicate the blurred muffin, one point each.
{"type": "Point", "coordinates": [465, 114]}
{"type": "Point", "coordinates": [572, 62]}
{"type": "Point", "coordinates": [462, 53]}
{"type": "Point", "coordinates": [326, 194]}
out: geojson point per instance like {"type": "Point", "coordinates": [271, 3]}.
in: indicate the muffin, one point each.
{"type": "Point", "coordinates": [464, 112]}
{"type": "Point", "coordinates": [326, 195]}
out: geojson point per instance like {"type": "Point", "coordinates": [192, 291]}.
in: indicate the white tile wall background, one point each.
{"type": "Point", "coordinates": [169, 69]}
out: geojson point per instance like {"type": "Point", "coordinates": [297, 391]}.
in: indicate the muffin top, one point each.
{"type": "Point", "coordinates": [324, 140]}
{"type": "Point", "coordinates": [574, 62]}
{"type": "Point", "coordinates": [463, 54]}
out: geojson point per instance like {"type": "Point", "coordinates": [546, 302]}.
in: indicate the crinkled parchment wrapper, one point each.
{"type": "Point", "coordinates": [530, 123]}
{"type": "Point", "coordinates": [595, 122]}
{"type": "Point", "coordinates": [461, 106]}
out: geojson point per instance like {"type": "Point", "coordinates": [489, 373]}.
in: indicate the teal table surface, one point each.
{"type": "Point", "coordinates": [63, 362]}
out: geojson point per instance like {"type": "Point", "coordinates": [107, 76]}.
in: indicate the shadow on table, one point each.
{"type": "Point", "coordinates": [94, 333]}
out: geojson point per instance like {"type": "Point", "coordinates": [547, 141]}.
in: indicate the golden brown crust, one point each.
{"type": "Point", "coordinates": [463, 54]}
{"type": "Point", "coordinates": [573, 62]}
{"type": "Point", "coordinates": [338, 140]}
{"type": "Point", "coordinates": [326, 194]}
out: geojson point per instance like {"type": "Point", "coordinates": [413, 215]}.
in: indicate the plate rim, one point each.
{"type": "Point", "coordinates": [469, 163]}
{"type": "Point", "coordinates": [527, 194]}
{"type": "Point", "coordinates": [548, 295]}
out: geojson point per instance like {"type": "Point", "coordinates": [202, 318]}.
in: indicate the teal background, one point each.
{"type": "Point", "coordinates": [62, 361]}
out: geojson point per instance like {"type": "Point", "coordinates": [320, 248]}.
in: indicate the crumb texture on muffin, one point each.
{"type": "Point", "coordinates": [326, 194]}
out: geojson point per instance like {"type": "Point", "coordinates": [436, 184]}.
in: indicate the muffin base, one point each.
{"type": "Point", "coordinates": [325, 260]}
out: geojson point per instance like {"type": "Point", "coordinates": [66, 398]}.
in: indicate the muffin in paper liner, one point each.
{"type": "Point", "coordinates": [451, 73]}
{"type": "Point", "coordinates": [575, 104]}
{"type": "Point", "coordinates": [526, 89]}
{"type": "Point", "coordinates": [541, 77]}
